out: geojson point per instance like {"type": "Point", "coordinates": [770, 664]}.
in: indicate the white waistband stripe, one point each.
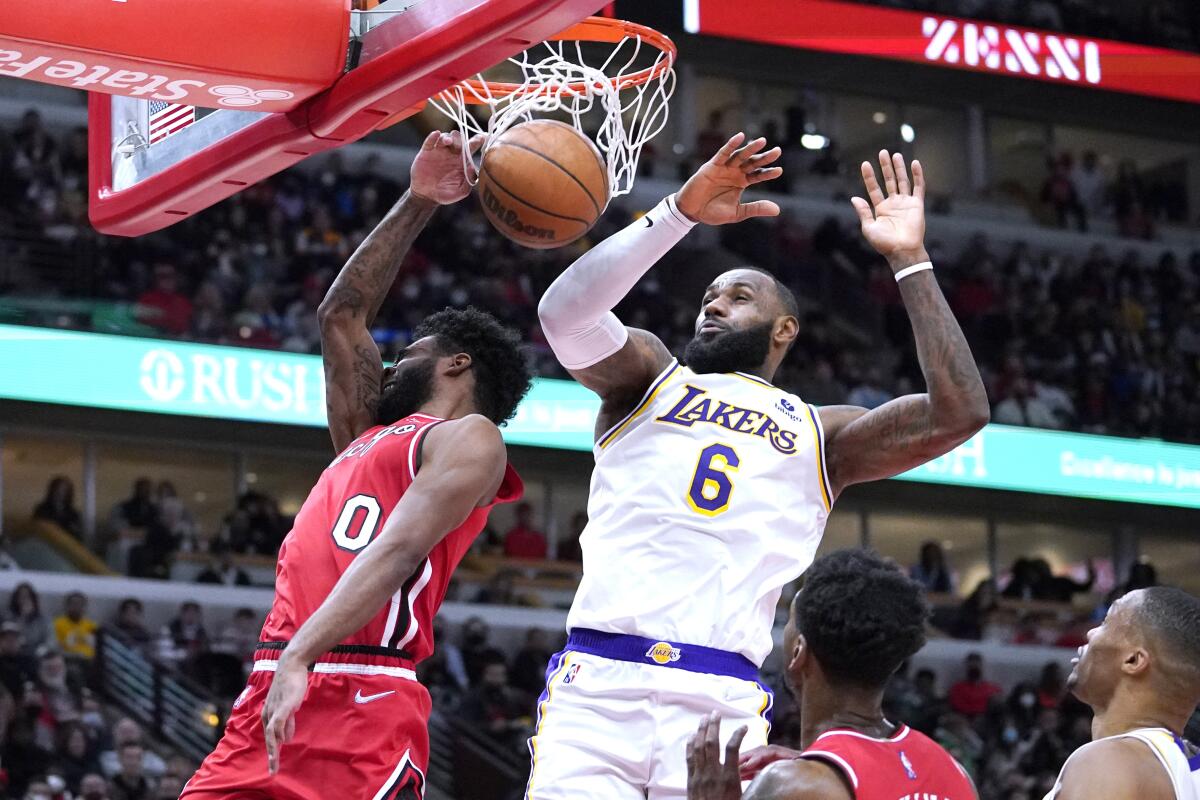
{"type": "Point", "coordinates": [328, 668]}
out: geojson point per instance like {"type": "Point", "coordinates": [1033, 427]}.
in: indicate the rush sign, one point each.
{"type": "Point", "coordinates": [858, 29]}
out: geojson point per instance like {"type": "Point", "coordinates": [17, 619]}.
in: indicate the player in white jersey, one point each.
{"type": "Point", "coordinates": [1140, 673]}
{"type": "Point", "coordinates": [712, 486]}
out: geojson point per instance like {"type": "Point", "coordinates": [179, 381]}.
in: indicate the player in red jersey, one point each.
{"type": "Point", "coordinates": [851, 626]}
{"type": "Point", "coordinates": [333, 704]}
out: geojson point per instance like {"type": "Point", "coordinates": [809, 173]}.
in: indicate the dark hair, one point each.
{"type": "Point", "coordinates": [787, 297]}
{"type": "Point", "coordinates": [1173, 617]}
{"type": "Point", "coordinates": [502, 372]}
{"type": "Point", "coordinates": [12, 599]}
{"type": "Point", "coordinates": [860, 616]}
{"type": "Point", "coordinates": [130, 602]}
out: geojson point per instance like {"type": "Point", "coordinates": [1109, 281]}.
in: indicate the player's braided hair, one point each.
{"type": "Point", "coordinates": [860, 616]}
{"type": "Point", "coordinates": [502, 371]}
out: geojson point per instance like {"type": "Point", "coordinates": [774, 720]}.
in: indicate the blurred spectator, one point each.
{"type": "Point", "coordinates": [76, 755]}
{"type": "Point", "coordinates": [131, 623]}
{"type": "Point", "coordinates": [51, 702]}
{"type": "Point", "coordinates": [184, 637]}
{"type": "Point", "coordinates": [975, 612]}
{"type": "Point", "coordinates": [869, 391]}
{"type": "Point", "coordinates": [93, 787]}
{"type": "Point", "coordinates": [972, 695]}
{"type": "Point", "coordinates": [1059, 193]}
{"type": "Point", "coordinates": [500, 589]}
{"type": "Point", "coordinates": [476, 647]}
{"type": "Point", "coordinates": [76, 633]}
{"type": "Point", "coordinates": [955, 734]}
{"type": "Point", "coordinates": [523, 540]}
{"type": "Point", "coordinates": [130, 782]}
{"type": "Point", "coordinates": [1025, 582]}
{"type": "Point", "coordinates": [24, 608]}
{"type": "Point", "coordinates": [711, 137]}
{"type": "Point", "coordinates": [494, 704]}
{"type": "Point", "coordinates": [1060, 588]}
{"type": "Point", "coordinates": [569, 548]}
{"type": "Point", "coordinates": [1023, 407]}
{"type": "Point", "coordinates": [164, 306]}
{"type": "Point", "coordinates": [177, 523]}
{"type": "Point", "coordinates": [240, 637]}
{"type": "Point", "coordinates": [221, 568]}
{"type": "Point", "coordinates": [1091, 186]}
{"type": "Point", "coordinates": [818, 384]}
{"type": "Point", "coordinates": [127, 731]}
{"type": "Point", "coordinates": [16, 667]}
{"type": "Point", "coordinates": [59, 506]}
{"type": "Point", "coordinates": [529, 665]}
{"type": "Point", "coordinates": [931, 570]}
{"type": "Point", "coordinates": [129, 521]}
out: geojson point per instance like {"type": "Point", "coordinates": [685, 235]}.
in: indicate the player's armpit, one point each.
{"type": "Point", "coordinates": [1115, 769]}
{"type": "Point", "coordinates": [622, 378]}
{"type": "Point", "coordinates": [801, 779]}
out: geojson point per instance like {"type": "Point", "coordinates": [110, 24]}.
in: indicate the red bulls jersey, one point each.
{"type": "Point", "coordinates": [907, 766]}
{"type": "Point", "coordinates": [343, 513]}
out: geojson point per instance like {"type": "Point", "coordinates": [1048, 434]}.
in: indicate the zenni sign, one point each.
{"type": "Point", "coordinates": [857, 29]}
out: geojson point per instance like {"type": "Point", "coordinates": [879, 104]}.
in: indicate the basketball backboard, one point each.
{"type": "Point", "coordinates": [401, 53]}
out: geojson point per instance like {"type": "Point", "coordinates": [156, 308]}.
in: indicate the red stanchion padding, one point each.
{"type": "Point", "coordinates": [265, 55]}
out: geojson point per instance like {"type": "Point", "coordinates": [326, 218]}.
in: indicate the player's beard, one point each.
{"type": "Point", "coordinates": [742, 350]}
{"type": "Point", "coordinates": [407, 393]}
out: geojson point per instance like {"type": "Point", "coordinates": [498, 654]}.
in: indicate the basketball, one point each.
{"type": "Point", "coordinates": [543, 184]}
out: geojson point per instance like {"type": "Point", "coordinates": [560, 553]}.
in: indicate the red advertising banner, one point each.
{"type": "Point", "coordinates": [856, 29]}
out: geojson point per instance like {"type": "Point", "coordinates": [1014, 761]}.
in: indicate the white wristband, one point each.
{"type": "Point", "coordinates": [915, 268]}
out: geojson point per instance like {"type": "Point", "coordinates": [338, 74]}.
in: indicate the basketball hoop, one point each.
{"type": "Point", "coordinates": [628, 85]}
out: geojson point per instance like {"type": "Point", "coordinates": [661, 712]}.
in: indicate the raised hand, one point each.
{"type": "Point", "coordinates": [896, 229]}
{"type": "Point", "coordinates": [714, 194]}
{"type": "Point", "coordinates": [708, 777]}
{"type": "Point", "coordinates": [439, 170]}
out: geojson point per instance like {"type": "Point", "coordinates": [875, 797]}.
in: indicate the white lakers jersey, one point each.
{"type": "Point", "coordinates": [1170, 751]}
{"type": "Point", "coordinates": [705, 502]}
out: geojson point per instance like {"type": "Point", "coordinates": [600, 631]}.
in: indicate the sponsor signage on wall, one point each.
{"type": "Point", "coordinates": [166, 377]}
{"type": "Point", "coordinates": [944, 41]}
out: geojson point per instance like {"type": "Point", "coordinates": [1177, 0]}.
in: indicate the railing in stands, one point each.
{"type": "Point", "coordinates": [178, 711]}
{"type": "Point", "coordinates": [467, 764]}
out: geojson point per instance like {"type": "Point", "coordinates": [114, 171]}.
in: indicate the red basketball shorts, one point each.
{"type": "Point", "coordinates": [360, 733]}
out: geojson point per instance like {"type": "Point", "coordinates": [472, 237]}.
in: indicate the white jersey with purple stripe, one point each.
{"type": "Point", "coordinates": [1180, 762]}
{"type": "Point", "coordinates": [705, 502]}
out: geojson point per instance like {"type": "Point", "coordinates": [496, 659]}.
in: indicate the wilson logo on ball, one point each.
{"type": "Point", "coordinates": [508, 217]}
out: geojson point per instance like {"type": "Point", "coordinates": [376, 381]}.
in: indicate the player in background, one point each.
{"type": "Point", "coordinates": [367, 563]}
{"type": "Point", "coordinates": [712, 486]}
{"type": "Point", "coordinates": [854, 622]}
{"type": "Point", "coordinates": [1140, 673]}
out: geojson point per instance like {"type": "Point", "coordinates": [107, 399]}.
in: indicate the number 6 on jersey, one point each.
{"type": "Point", "coordinates": [711, 487]}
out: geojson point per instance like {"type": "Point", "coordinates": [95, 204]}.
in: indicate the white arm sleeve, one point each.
{"type": "Point", "coordinates": [576, 311]}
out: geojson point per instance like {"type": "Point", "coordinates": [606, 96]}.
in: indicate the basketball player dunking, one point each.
{"type": "Point", "coordinates": [712, 486]}
{"type": "Point", "coordinates": [851, 626]}
{"type": "Point", "coordinates": [1140, 673]}
{"type": "Point", "coordinates": [361, 574]}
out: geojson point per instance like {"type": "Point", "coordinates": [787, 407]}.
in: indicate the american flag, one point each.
{"type": "Point", "coordinates": [167, 118]}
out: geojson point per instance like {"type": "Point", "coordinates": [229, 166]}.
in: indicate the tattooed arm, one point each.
{"type": "Point", "coordinates": [864, 445]}
{"type": "Point", "coordinates": [353, 364]}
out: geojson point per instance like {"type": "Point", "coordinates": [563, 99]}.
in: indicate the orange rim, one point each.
{"type": "Point", "coordinates": [592, 29]}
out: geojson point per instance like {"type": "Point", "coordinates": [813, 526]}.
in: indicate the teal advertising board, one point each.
{"type": "Point", "coordinates": [166, 377]}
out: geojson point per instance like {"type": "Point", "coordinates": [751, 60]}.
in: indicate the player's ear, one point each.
{"type": "Point", "coordinates": [1136, 661]}
{"type": "Point", "coordinates": [458, 364]}
{"type": "Point", "coordinates": [787, 328]}
{"type": "Point", "coordinates": [798, 655]}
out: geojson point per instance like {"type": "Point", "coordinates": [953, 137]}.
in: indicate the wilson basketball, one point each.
{"type": "Point", "coordinates": [543, 184]}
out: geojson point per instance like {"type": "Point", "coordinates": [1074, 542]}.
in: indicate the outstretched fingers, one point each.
{"type": "Point", "coordinates": [889, 174]}
{"type": "Point", "coordinates": [758, 208]}
{"type": "Point", "coordinates": [901, 173]}
{"type": "Point", "coordinates": [863, 209]}
{"type": "Point", "coordinates": [726, 152]}
{"type": "Point", "coordinates": [744, 154]}
{"type": "Point", "coordinates": [918, 173]}
{"type": "Point", "coordinates": [872, 184]}
{"type": "Point", "coordinates": [764, 174]}
{"type": "Point", "coordinates": [762, 159]}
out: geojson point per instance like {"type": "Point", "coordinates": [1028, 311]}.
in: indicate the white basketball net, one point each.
{"type": "Point", "coordinates": [632, 115]}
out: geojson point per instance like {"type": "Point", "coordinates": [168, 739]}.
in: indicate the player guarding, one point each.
{"type": "Point", "coordinates": [851, 626]}
{"type": "Point", "coordinates": [367, 563]}
{"type": "Point", "coordinates": [712, 486]}
{"type": "Point", "coordinates": [1140, 673]}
